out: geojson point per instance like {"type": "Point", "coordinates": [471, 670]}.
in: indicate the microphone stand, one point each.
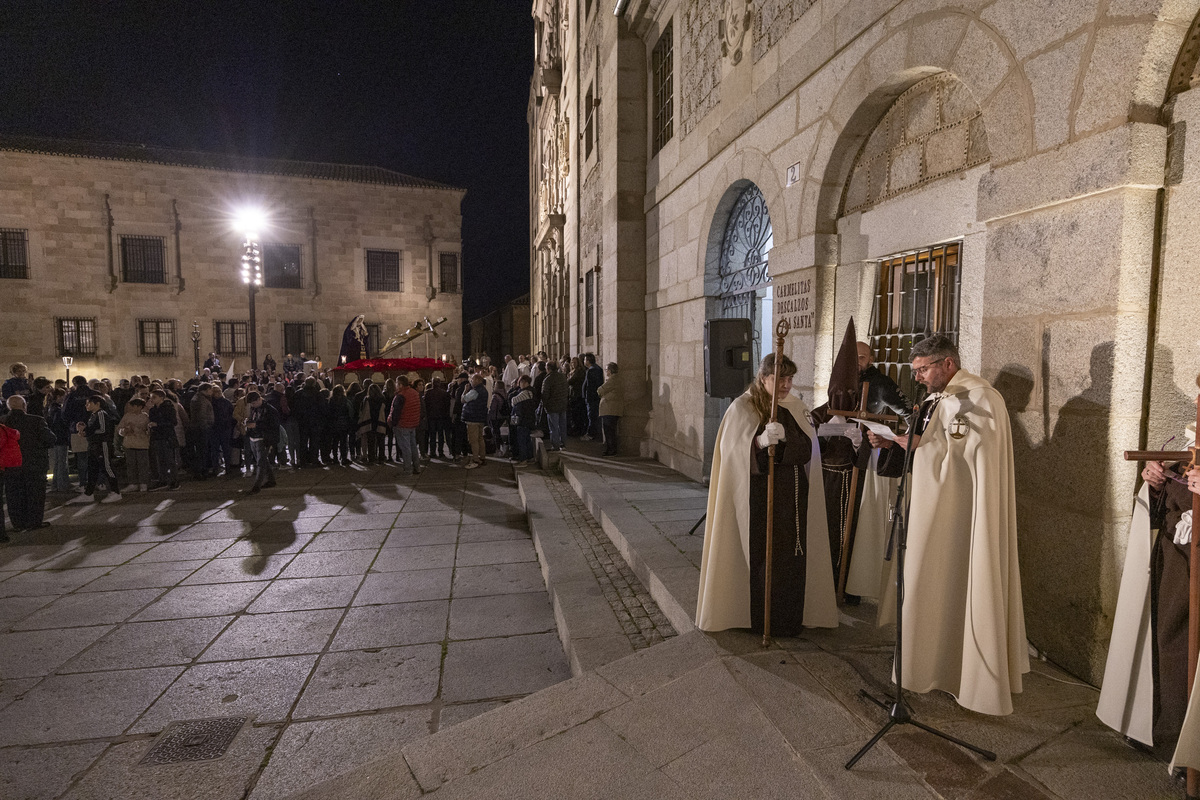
{"type": "Point", "coordinates": [898, 711]}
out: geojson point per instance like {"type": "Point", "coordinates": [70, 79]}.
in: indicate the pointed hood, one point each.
{"type": "Point", "coordinates": [844, 387]}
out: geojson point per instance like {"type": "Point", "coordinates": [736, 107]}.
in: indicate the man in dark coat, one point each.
{"type": "Point", "coordinates": [262, 428]}
{"type": "Point", "coordinates": [437, 409]}
{"type": "Point", "coordinates": [593, 379]}
{"type": "Point", "coordinates": [554, 400]}
{"type": "Point", "coordinates": [26, 485]}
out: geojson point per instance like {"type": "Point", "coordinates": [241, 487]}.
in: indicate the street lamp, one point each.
{"type": "Point", "coordinates": [67, 362]}
{"type": "Point", "coordinates": [251, 221]}
{"type": "Point", "coordinates": [196, 344]}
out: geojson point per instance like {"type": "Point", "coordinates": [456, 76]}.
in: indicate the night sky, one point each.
{"type": "Point", "coordinates": [436, 89]}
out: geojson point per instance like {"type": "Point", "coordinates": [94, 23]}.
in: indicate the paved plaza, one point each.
{"type": "Point", "coordinates": [345, 612]}
{"type": "Point", "coordinates": [492, 633]}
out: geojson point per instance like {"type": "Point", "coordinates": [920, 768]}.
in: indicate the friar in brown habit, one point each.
{"type": "Point", "coordinates": [840, 454]}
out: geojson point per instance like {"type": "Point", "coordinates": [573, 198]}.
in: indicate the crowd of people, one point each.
{"type": "Point", "coordinates": [143, 434]}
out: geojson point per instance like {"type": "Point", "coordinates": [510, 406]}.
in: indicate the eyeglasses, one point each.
{"type": "Point", "coordinates": [919, 371]}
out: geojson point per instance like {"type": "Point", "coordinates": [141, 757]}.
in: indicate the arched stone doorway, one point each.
{"type": "Point", "coordinates": [737, 277]}
{"type": "Point", "coordinates": [744, 282]}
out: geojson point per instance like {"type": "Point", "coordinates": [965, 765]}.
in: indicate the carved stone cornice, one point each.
{"type": "Point", "coordinates": [551, 224]}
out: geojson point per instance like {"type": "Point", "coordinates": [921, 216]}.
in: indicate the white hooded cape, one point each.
{"type": "Point", "coordinates": [964, 627]}
{"type": "Point", "coordinates": [1127, 693]}
{"type": "Point", "coordinates": [724, 597]}
{"type": "Point", "coordinates": [865, 576]}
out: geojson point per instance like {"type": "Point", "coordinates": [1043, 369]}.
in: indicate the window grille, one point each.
{"type": "Point", "coordinates": [664, 89]}
{"type": "Point", "coordinates": [76, 337]}
{"type": "Point", "coordinates": [448, 269]}
{"type": "Point", "coordinates": [143, 259]}
{"type": "Point", "coordinates": [281, 266]}
{"type": "Point", "coordinates": [383, 271]}
{"type": "Point", "coordinates": [156, 337]}
{"type": "Point", "coordinates": [231, 338]}
{"type": "Point", "coordinates": [14, 253]}
{"type": "Point", "coordinates": [299, 337]}
{"type": "Point", "coordinates": [589, 307]}
{"type": "Point", "coordinates": [373, 333]}
{"type": "Point", "coordinates": [916, 295]}
{"type": "Point", "coordinates": [589, 123]}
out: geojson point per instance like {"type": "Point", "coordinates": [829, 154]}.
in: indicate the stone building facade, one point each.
{"type": "Point", "coordinates": [1016, 173]}
{"type": "Point", "coordinates": [504, 331]}
{"type": "Point", "coordinates": [111, 252]}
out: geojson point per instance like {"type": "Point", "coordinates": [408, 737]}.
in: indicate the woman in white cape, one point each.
{"type": "Point", "coordinates": [732, 569]}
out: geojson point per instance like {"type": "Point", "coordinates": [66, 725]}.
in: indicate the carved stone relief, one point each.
{"type": "Point", "coordinates": [554, 165]}
{"type": "Point", "coordinates": [733, 28]}
{"type": "Point", "coordinates": [772, 18]}
{"type": "Point", "coordinates": [933, 130]}
{"type": "Point", "coordinates": [700, 87]}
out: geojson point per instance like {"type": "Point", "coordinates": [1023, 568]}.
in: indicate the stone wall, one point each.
{"type": "Point", "coordinates": [1057, 218]}
{"type": "Point", "coordinates": [60, 201]}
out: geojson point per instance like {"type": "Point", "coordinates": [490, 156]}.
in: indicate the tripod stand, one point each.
{"type": "Point", "coordinates": [898, 711]}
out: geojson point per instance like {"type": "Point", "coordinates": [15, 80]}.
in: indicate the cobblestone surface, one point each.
{"type": "Point", "coordinates": [640, 617]}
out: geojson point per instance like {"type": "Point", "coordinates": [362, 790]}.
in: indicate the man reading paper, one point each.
{"type": "Point", "coordinates": [966, 626]}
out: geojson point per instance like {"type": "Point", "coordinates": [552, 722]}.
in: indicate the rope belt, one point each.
{"type": "Point", "coordinates": [796, 478]}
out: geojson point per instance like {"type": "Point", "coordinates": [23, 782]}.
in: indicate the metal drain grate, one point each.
{"type": "Point", "coordinates": [197, 740]}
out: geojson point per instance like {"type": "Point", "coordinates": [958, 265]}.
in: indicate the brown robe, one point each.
{"type": "Point", "coordinates": [788, 558]}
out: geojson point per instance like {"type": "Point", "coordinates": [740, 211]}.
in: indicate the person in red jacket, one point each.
{"type": "Point", "coordinates": [10, 458]}
{"type": "Point", "coordinates": [404, 418]}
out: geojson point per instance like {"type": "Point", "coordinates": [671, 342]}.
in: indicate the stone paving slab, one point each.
{"type": "Point", "coordinates": [321, 609]}
{"type": "Point", "coordinates": [668, 572]}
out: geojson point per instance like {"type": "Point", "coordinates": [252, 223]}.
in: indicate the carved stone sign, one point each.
{"type": "Point", "coordinates": [795, 300]}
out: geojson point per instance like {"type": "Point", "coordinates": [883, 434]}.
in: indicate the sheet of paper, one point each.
{"type": "Point", "coordinates": [877, 428]}
{"type": "Point", "coordinates": [837, 429]}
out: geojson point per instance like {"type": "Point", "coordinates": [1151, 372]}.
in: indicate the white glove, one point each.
{"type": "Point", "coordinates": [772, 434]}
{"type": "Point", "coordinates": [855, 436]}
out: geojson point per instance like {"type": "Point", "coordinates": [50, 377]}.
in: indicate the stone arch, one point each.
{"type": "Point", "coordinates": [744, 169]}
{"type": "Point", "coordinates": [889, 69]}
{"type": "Point", "coordinates": [1185, 73]}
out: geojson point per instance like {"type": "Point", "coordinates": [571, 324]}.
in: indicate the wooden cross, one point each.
{"type": "Point", "coordinates": [1189, 455]}
{"type": "Point", "coordinates": [861, 413]}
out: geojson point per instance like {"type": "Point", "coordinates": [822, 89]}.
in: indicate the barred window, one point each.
{"type": "Point", "coordinates": [664, 89]}
{"type": "Point", "coordinates": [589, 123]}
{"type": "Point", "coordinates": [143, 259]}
{"type": "Point", "coordinates": [281, 266]}
{"type": "Point", "coordinates": [383, 271]}
{"type": "Point", "coordinates": [231, 338]}
{"type": "Point", "coordinates": [299, 337]}
{"type": "Point", "coordinates": [373, 332]}
{"type": "Point", "coordinates": [14, 253]}
{"type": "Point", "coordinates": [916, 295]}
{"type": "Point", "coordinates": [448, 272]}
{"type": "Point", "coordinates": [156, 337]}
{"type": "Point", "coordinates": [589, 306]}
{"type": "Point", "coordinates": [76, 337]}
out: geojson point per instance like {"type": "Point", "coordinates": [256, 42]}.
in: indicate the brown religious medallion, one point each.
{"type": "Point", "coordinates": [959, 427]}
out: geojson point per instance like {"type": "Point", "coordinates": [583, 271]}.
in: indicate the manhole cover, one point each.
{"type": "Point", "coordinates": [197, 740]}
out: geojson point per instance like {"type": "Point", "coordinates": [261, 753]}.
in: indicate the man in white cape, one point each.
{"type": "Point", "coordinates": [965, 623]}
{"type": "Point", "coordinates": [724, 596]}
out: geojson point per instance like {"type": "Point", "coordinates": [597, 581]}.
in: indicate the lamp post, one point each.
{"type": "Point", "coordinates": [252, 277]}
{"type": "Point", "coordinates": [67, 362]}
{"type": "Point", "coordinates": [250, 222]}
{"type": "Point", "coordinates": [196, 344]}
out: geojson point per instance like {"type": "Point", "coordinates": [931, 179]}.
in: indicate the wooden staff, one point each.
{"type": "Point", "coordinates": [1193, 775]}
{"type": "Point", "coordinates": [861, 413]}
{"type": "Point", "coordinates": [781, 332]}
